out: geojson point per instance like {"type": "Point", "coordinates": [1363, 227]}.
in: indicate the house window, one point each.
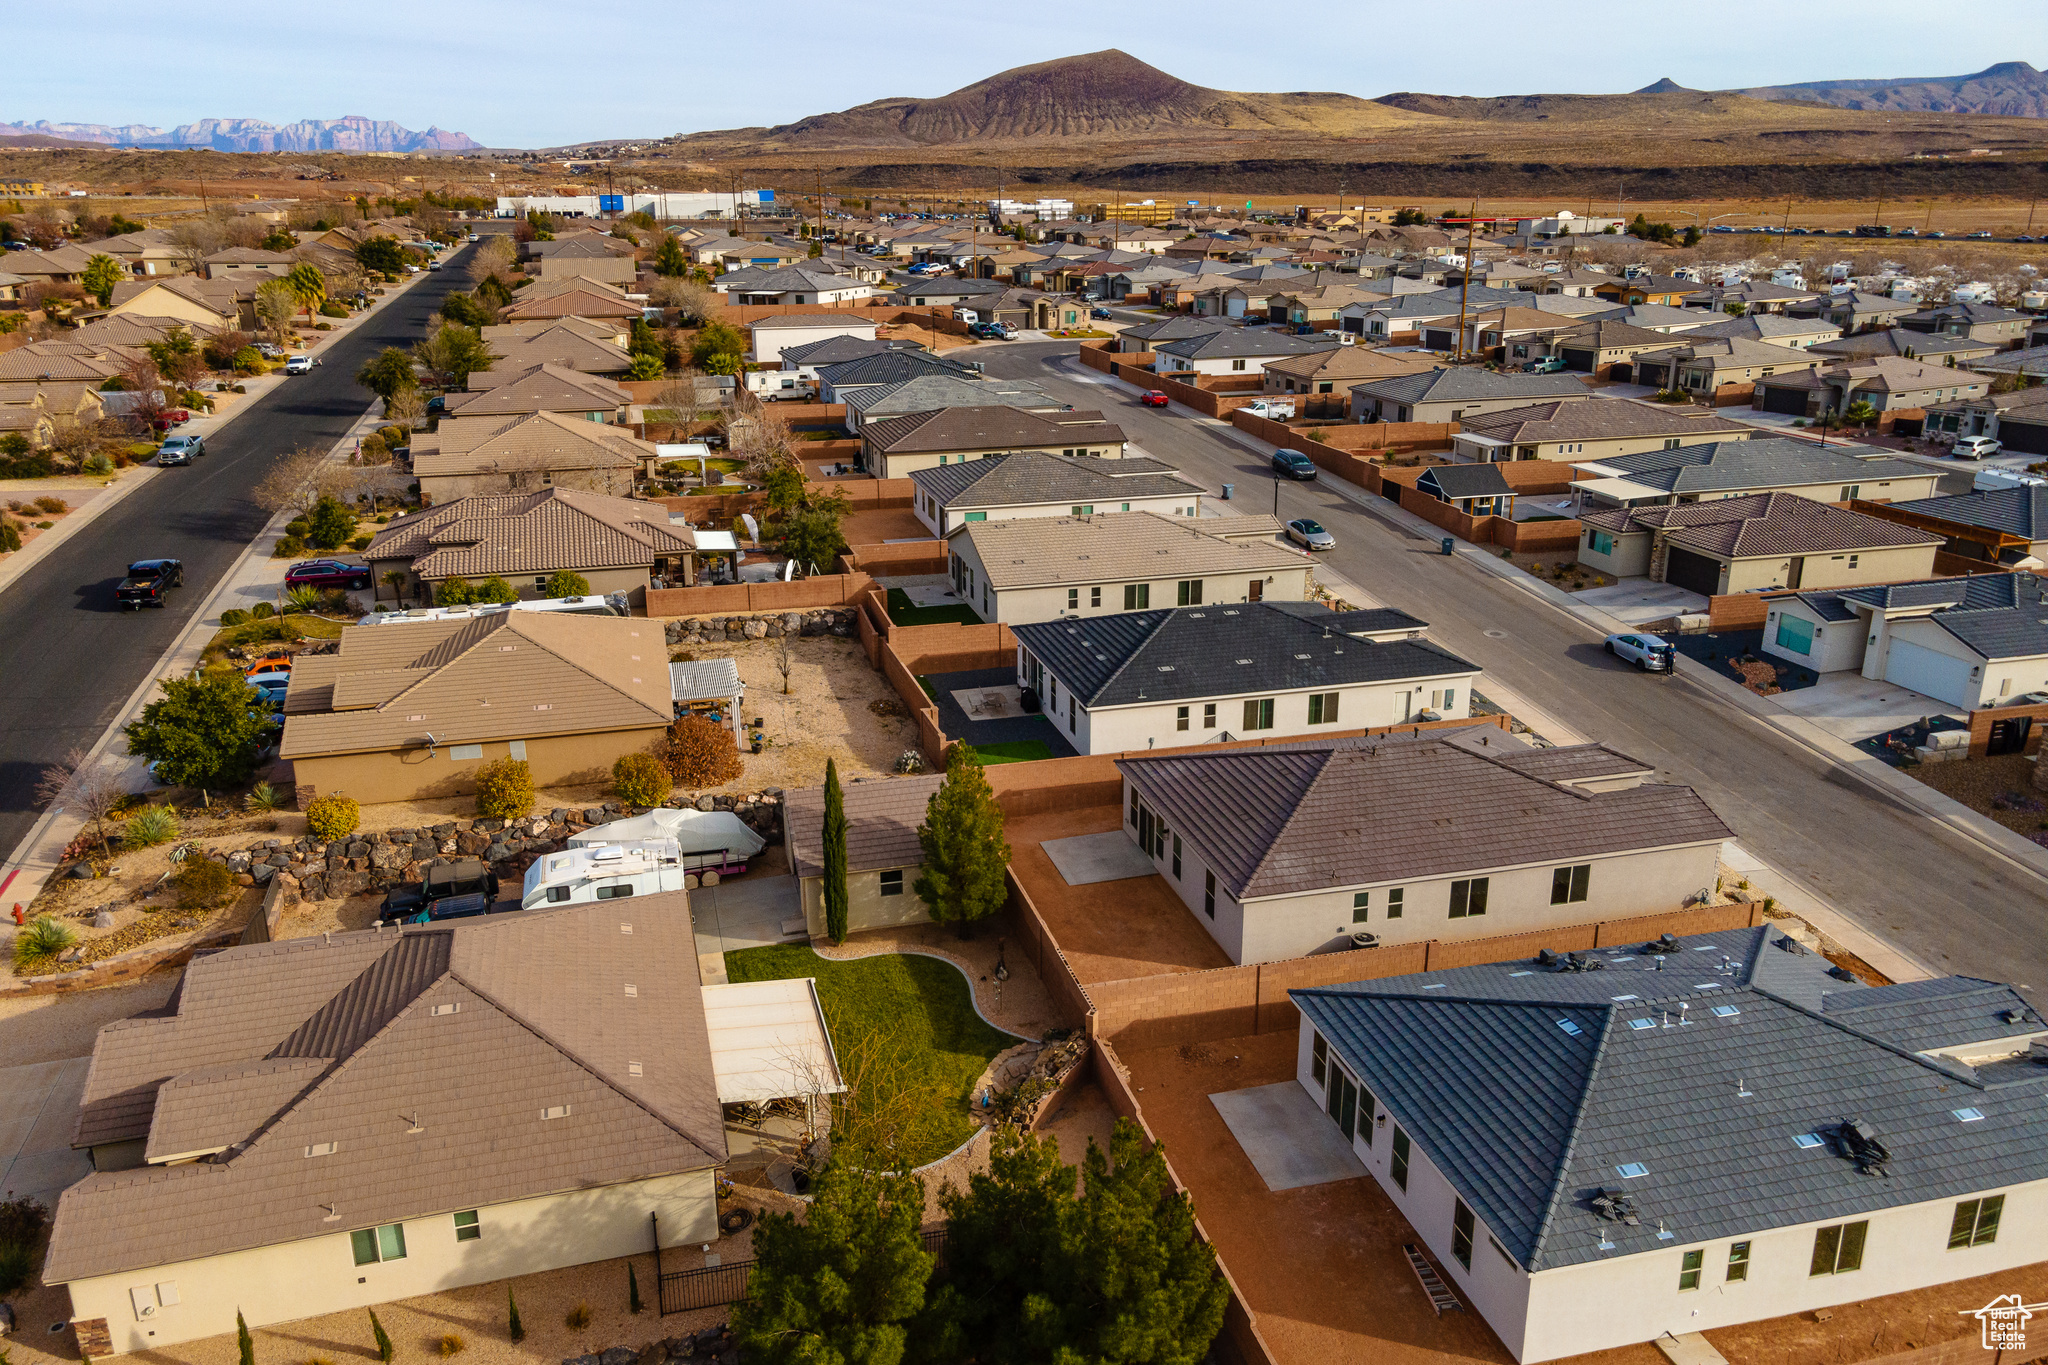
{"type": "Point", "coordinates": [1209, 894]}
{"type": "Point", "coordinates": [1794, 634]}
{"type": "Point", "coordinates": [1738, 1262]}
{"type": "Point", "coordinates": [379, 1244]}
{"type": "Point", "coordinates": [1838, 1249]}
{"type": "Point", "coordinates": [1599, 542]}
{"type": "Point", "coordinates": [1086, 509]}
{"type": "Point", "coordinates": [540, 583]}
{"type": "Point", "coordinates": [1318, 1058]}
{"type": "Point", "coordinates": [1134, 808]}
{"type": "Point", "coordinates": [1073, 599]}
{"type": "Point", "coordinates": [1461, 1234]}
{"type": "Point", "coordinates": [1976, 1222]}
{"type": "Point", "coordinates": [892, 882]}
{"type": "Point", "coordinates": [1468, 898]}
{"type": "Point", "coordinates": [1176, 857]}
{"type": "Point", "coordinates": [1394, 899]}
{"type": "Point", "coordinates": [1671, 442]}
{"type": "Point", "coordinates": [1361, 904]}
{"type": "Point", "coordinates": [1689, 1270]}
{"type": "Point", "coordinates": [1850, 490]}
{"type": "Point", "coordinates": [1852, 561]}
{"type": "Point", "coordinates": [974, 516]}
{"type": "Point", "coordinates": [1137, 596]}
{"type": "Point", "coordinates": [1180, 718]}
{"type": "Point", "coordinates": [467, 1229]}
{"type": "Point", "coordinates": [1258, 713]}
{"type": "Point", "coordinates": [1095, 597]}
{"type": "Point", "coordinates": [1208, 715]}
{"type": "Point", "coordinates": [459, 753]}
{"type": "Point", "coordinates": [1399, 1169]}
{"type": "Point", "coordinates": [1568, 884]}
{"type": "Point", "coordinates": [1237, 364]}
{"type": "Point", "coordinates": [1189, 592]}
{"type": "Point", "coordinates": [1070, 710]}
{"type": "Point", "coordinates": [1322, 708]}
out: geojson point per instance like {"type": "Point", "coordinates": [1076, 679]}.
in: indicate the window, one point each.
{"type": "Point", "coordinates": [1180, 717]}
{"type": "Point", "coordinates": [1318, 1057]}
{"type": "Point", "coordinates": [1394, 899]}
{"type": "Point", "coordinates": [1839, 1249]}
{"type": "Point", "coordinates": [1237, 364]}
{"type": "Point", "coordinates": [1794, 634]}
{"type": "Point", "coordinates": [1176, 857]}
{"type": "Point", "coordinates": [1568, 884]}
{"type": "Point", "coordinates": [557, 894]}
{"type": "Point", "coordinates": [1084, 509]}
{"type": "Point", "coordinates": [892, 882]}
{"type": "Point", "coordinates": [1850, 490]}
{"type": "Point", "coordinates": [1095, 594]}
{"type": "Point", "coordinates": [1209, 894]}
{"type": "Point", "coordinates": [516, 749]}
{"type": "Point", "coordinates": [1343, 1102]}
{"type": "Point", "coordinates": [1137, 596]}
{"type": "Point", "coordinates": [1599, 542]}
{"type": "Point", "coordinates": [1208, 715]}
{"type": "Point", "coordinates": [1738, 1262]}
{"type": "Point", "coordinates": [1134, 808]}
{"type": "Point", "coordinates": [1976, 1222]}
{"type": "Point", "coordinates": [1399, 1169]}
{"type": "Point", "coordinates": [379, 1244]}
{"type": "Point", "coordinates": [458, 753]}
{"type": "Point", "coordinates": [540, 581]}
{"type": "Point", "coordinates": [1073, 599]}
{"type": "Point", "coordinates": [1852, 561]}
{"type": "Point", "coordinates": [1322, 708]}
{"type": "Point", "coordinates": [1188, 592]}
{"type": "Point", "coordinates": [1461, 1234]}
{"type": "Point", "coordinates": [466, 1227]}
{"type": "Point", "coordinates": [1361, 904]}
{"type": "Point", "coordinates": [1070, 710]}
{"type": "Point", "coordinates": [975, 516]}
{"type": "Point", "coordinates": [1671, 442]}
{"type": "Point", "coordinates": [1255, 591]}
{"type": "Point", "coordinates": [615, 891]}
{"type": "Point", "coordinates": [1689, 1270]}
{"type": "Point", "coordinates": [1258, 713]}
{"type": "Point", "coordinates": [1468, 898]}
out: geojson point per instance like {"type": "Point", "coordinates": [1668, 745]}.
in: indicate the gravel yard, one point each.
{"type": "Point", "coordinates": [838, 707]}
{"type": "Point", "coordinates": [1979, 782]}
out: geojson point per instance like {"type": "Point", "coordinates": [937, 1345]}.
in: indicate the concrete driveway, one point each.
{"type": "Point", "coordinates": [38, 1107]}
{"type": "Point", "coordinates": [1850, 706]}
{"type": "Point", "coordinates": [1636, 600]}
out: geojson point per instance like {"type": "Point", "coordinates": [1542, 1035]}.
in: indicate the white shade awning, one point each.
{"type": "Point", "coordinates": [705, 680]}
{"type": "Point", "coordinates": [1618, 490]}
{"type": "Point", "coordinates": [769, 1041]}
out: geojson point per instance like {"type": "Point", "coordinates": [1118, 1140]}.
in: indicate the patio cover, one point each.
{"type": "Point", "coordinates": [705, 680]}
{"type": "Point", "coordinates": [1621, 490]}
{"type": "Point", "coordinates": [769, 1041]}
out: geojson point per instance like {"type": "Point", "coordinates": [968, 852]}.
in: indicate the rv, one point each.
{"type": "Point", "coordinates": [611, 604]}
{"type": "Point", "coordinates": [607, 872]}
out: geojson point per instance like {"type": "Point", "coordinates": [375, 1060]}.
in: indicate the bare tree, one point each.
{"type": "Point", "coordinates": [140, 378]}
{"type": "Point", "coordinates": [785, 660]}
{"type": "Point", "coordinates": [494, 255]}
{"type": "Point", "coordinates": [761, 440]}
{"type": "Point", "coordinates": [85, 786]}
{"type": "Point", "coordinates": [691, 300]}
{"type": "Point", "coordinates": [196, 239]}
{"type": "Point", "coordinates": [292, 483]}
{"type": "Point", "coordinates": [406, 407]}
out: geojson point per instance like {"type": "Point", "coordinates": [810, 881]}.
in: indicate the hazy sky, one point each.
{"type": "Point", "coordinates": [514, 73]}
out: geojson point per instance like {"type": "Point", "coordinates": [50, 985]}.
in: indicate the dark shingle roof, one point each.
{"type": "Point", "coordinates": [1038, 476]}
{"type": "Point", "coordinates": [1529, 1119]}
{"type": "Point", "coordinates": [2019, 512]}
{"type": "Point", "coordinates": [983, 428]}
{"type": "Point", "coordinates": [1466, 481]}
{"type": "Point", "coordinates": [1761, 524]}
{"type": "Point", "coordinates": [891, 367]}
{"type": "Point", "coordinates": [1765, 463]}
{"type": "Point", "coordinates": [1188, 652]}
{"type": "Point", "coordinates": [1281, 820]}
{"type": "Point", "coordinates": [1447, 385]}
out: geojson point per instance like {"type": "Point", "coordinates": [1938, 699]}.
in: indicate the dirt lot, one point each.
{"type": "Point", "coordinates": [1978, 782]}
{"type": "Point", "coordinates": [827, 714]}
{"type": "Point", "coordinates": [923, 336]}
{"type": "Point", "coordinates": [889, 523]}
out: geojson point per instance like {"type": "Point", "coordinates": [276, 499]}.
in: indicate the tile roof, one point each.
{"type": "Point", "coordinates": [1721, 353]}
{"type": "Point", "coordinates": [1761, 525]}
{"type": "Point", "coordinates": [1279, 820]}
{"type": "Point", "coordinates": [430, 1109]}
{"type": "Point", "coordinates": [1765, 463]}
{"type": "Point", "coordinates": [1031, 477]}
{"type": "Point", "coordinates": [511, 675]}
{"type": "Point", "coordinates": [545, 387]}
{"type": "Point", "coordinates": [892, 366]}
{"type": "Point", "coordinates": [1113, 547]}
{"type": "Point", "coordinates": [558, 346]}
{"type": "Point", "coordinates": [1446, 385]}
{"type": "Point", "coordinates": [930, 392]}
{"type": "Point", "coordinates": [1767, 327]}
{"type": "Point", "coordinates": [838, 319]}
{"type": "Point", "coordinates": [1251, 342]}
{"type": "Point", "coordinates": [1613, 420]}
{"type": "Point", "coordinates": [519, 533]}
{"type": "Point", "coordinates": [882, 819]}
{"type": "Point", "coordinates": [529, 441]}
{"type": "Point", "coordinates": [1996, 615]}
{"type": "Point", "coordinates": [1612, 334]}
{"type": "Point", "coordinates": [1896, 341]}
{"type": "Point", "coordinates": [983, 428]}
{"type": "Point", "coordinates": [1350, 362]}
{"type": "Point", "coordinates": [581, 298]}
{"type": "Point", "coordinates": [836, 350]}
{"type": "Point", "coordinates": [1457, 481]}
{"type": "Point", "coordinates": [1222, 651]}
{"type": "Point", "coordinates": [1704, 1073]}
{"type": "Point", "coordinates": [2021, 512]}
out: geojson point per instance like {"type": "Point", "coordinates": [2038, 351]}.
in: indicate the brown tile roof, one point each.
{"type": "Point", "coordinates": [138, 329]}
{"type": "Point", "coordinates": [579, 297]}
{"type": "Point", "coordinates": [430, 1109]}
{"type": "Point", "coordinates": [882, 818]}
{"type": "Point", "coordinates": [512, 333]}
{"type": "Point", "coordinates": [1611, 420]}
{"type": "Point", "coordinates": [1113, 547]}
{"type": "Point", "coordinates": [509, 675]}
{"type": "Point", "coordinates": [66, 396]}
{"type": "Point", "coordinates": [45, 360]}
{"type": "Point", "coordinates": [1285, 819]}
{"type": "Point", "coordinates": [534, 440]}
{"type": "Point", "coordinates": [558, 346]}
{"type": "Point", "coordinates": [536, 533]}
{"type": "Point", "coordinates": [1350, 362]}
{"type": "Point", "coordinates": [1761, 525]}
{"type": "Point", "coordinates": [988, 429]}
{"type": "Point", "coordinates": [540, 388]}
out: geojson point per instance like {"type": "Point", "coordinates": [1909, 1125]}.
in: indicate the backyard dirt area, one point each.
{"type": "Point", "coordinates": [1110, 931]}
{"type": "Point", "coordinates": [1979, 782]}
{"type": "Point", "coordinates": [922, 336]}
{"type": "Point", "coordinates": [888, 523]}
{"type": "Point", "coordinates": [838, 706]}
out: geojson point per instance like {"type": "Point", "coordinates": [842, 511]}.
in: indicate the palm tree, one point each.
{"type": "Point", "coordinates": [395, 579]}
{"type": "Point", "coordinates": [308, 286]}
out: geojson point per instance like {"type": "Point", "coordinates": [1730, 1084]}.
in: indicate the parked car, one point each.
{"type": "Point", "coordinates": [270, 350]}
{"type": "Point", "coordinates": [1292, 464]}
{"type": "Point", "coordinates": [300, 364]}
{"type": "Point", "coordinates": [1549, 364]}
{"type": "Point", "coordinates": [472, 237]}
{"type": "Point", "coordinates": [1309, 533]}
{"type": "Point", "coordinates": [1098, 312]}
{"type": "Point", "coordinates": [1976, 447]}
{"type": "Point", "coordinates": [433, 265]}
{"type": "Point", "coordinates": [271, 687]}
{"type": "Point", "coordinates": [989, 331]}
{"type": "Point", "coordinates": [327, 573]}
{"type": "Point", "coordinates": [1272, 409]}
{"type": "Point", "coordinates": [192, 446]}
{"type": "Point", "coordinates": [170, 417]}
{"type": "Point", "coordinates": [173, 455]}
{"type": "Point", "coordinates": [149, 583]}
{"type": "Point", "coordinates": [460, 880]}
{"type": "Point", "coordinates": [1153, 398]}
{"type": "Point", "coordinates": [1647, 652]}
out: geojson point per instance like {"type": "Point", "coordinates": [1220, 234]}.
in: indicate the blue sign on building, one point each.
{"type": "Point", "coordinates": [611, 203]}
{"type": "Point", "coordinates": [767, 196]}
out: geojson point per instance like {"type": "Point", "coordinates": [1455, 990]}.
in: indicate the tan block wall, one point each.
{"type": "Point", "coordinates": [412, 775]}
{"type": "Point", "coordinates": [436, 489]}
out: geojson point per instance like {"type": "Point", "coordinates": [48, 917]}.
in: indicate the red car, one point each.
{"type": "Point", "coordinates": [1153, 398]}
{"type": "Point", "coordinates": [327, 573]}
{"type": "Point", "coordinates": [171, 417]}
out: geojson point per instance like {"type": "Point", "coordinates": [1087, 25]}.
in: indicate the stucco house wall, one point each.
{"type": "Point", "coordinates": [450, 770]}
{"type": "Point", "coordinates": [1118, 729]}
{"type": "Point", "coordinates": [1020, 606]}
{"type": "Point", "coordinates": [436, 489]}
{"type": "Point", "coordinates": [1166, 505]}
{"type": "Point", "coordinates": [1836, 645]}
{"type": "Point", "coordinates": [866, 906]}
{"type": "Point", "coordinates": [1848, 569]}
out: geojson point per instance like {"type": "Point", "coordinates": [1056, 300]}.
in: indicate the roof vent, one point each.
{"type": "Point", "coordinates": [1301, 656]}
{"type": "Point", "coordinates": [554, 1111]}
{"type": "Point", "coordinates": [323, 1149]}
{"type": "Point", "coordinates": [1570, 1026]}
{"type": "Point", "coordinates": [1841, 974]}
{"type": "Point", "coordinates": [1166, 668]}
{"type": "Point", "coordinates": [1968, 1115]}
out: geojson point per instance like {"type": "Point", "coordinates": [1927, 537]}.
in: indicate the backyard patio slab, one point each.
{"type": "Point", "coordinates": [1290, 1142]}
{"type": "Point", "coordinates": [746, 913]}
{"type": "Point", "coordinates": [991, 728]}
{"type": "Point", "coordinates": [1086, 859]}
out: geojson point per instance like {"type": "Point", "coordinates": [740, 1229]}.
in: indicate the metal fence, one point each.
{"type": "Point", "coordinates": [712, 1286]}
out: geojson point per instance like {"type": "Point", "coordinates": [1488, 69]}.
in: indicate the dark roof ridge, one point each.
{"type": "Point", "coordinates": [1571, 1139]}
{"type": "Point", "coordinates": [1954, 1071]}
{"type": "Point", "coordinates": [1322, 771]}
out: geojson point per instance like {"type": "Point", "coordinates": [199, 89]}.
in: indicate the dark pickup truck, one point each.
{"type": "Point", "coordinates": [423, 902]}
{"type": "Point", "coordinates": [149, 583]}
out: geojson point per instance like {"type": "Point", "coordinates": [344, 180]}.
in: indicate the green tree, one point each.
{"type": "Point", "coordinates": [100, 275]}
{"type": "Point", "coordinates": [515, 1326]}
{"type": "Point", "coordinates": [382, 1338]}
{"type": "Point", "coordinates": [493, 590]}
{"type": "Point", "coordinates": [964, 849]}
{"type": "Point", "coordinates": [454, 352]}
{"type": "Point", "coordinates": [202, 732]}
{"type": "Point", "coordinates": [493, 291]}
{"type": "Point", "coordinates": [567, 583]}
{"type": "Point", "coordinates": [642, 340]}
{"type": "Point", "coordinates": [380, 254]}
{"type": "Point", "coordinates": [245, 1348]}
{"type": "Point", "coordinates": [278, 239]}
{"type": "Point", "coordinates": [783, 487]}
{"type": "Point", "coordinates": [645, 367]}
{"type": "Point", "coordinates": [390, 371]}
{"type": "Point", "coordinates": [542, 225]}
{"type": "Point", "coordinates": [1692, 235]}
{"type": "Point", "coordinates": [308, 286]}
{"type": "Point", "coordinates": [465, 309]}
{"type": "Point", "coordinates": [330, 524]}
{"type": "Point", "coordinates": [841, 1287]}
{"type": "Point", "coordinates": [670, 258]}
{"type": "Point", "coordinates": [1409, 218]}
{"type": "Point", "coordinates": [809, 531]}
{"type": "Point", "coordinates": [835, 854]}
{"type": "Point", "coordinates": [1860, 413]}
{"type": "Point", "coordinates": [173, 353]}
{"type": "Point", "coordinates": [718, 349]}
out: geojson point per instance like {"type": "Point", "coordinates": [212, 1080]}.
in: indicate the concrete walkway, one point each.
{"type": "Point", "coordinates": [38, 1108]}
{"type": "Point", "coordinates": [748, 913]}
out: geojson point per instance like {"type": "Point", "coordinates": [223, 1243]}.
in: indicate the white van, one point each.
{"type": "Point", "coordinates": [607, 872]}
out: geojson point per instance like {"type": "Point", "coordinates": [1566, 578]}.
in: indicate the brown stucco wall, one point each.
{"type": "Point", "coordinates": [436, 489]}
{"type": "Point", "coordinates": [411, 775]}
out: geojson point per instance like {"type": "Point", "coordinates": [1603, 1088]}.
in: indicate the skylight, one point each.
{"type": "Point", "coordinates": [1438, 986]}
{"type": "Point", "coordinates": [1570, 1027]}
{"type": "Point", "coordinates": [1619, 998]}
{"type": "Point", "coordinates": [1968, 1115]}
{"type": "Point", "coordinates": [1629, 1170]}
{"type": "Point", "coordinates": [1706, 985]}
{"type": "Point", "coordinates": [1726, 1011]}
{"type": "Point", "coordinates": [1642, 1023]}
{"type": "Point", "coordinates": [1807, 1140]}
{"type": "Point", "coordinates": [1522, 973]}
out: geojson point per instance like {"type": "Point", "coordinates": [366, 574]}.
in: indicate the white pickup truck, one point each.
{"type": "Point", "coordinates": [1272, 409]}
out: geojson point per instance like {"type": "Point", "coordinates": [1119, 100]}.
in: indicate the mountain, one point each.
{"type": "Point", "coordinates": [2009, 89]}
{"type": "Point", "coordinates": [352, 134]}
{"type": "Point", "coordinates": [1662, 86]}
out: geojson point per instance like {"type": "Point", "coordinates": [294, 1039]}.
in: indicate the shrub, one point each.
{"type": "Point", "coordinates": [362, 541]}
{"type": "Point", "coordinates": [563, 583]}
{"type": "Point", "coordinates": [44, 525]}
{"type": "Point", "coordinates": [248, 360]}
{"type": "Point", "coordinates": [150, 826]}
{"type": "Point", "coordinates": [262, 611]}
{"type": "Point", "coordinates": [23, 1219]}
{"type": "Point", "coordinates": [39, 943]}
{"type": "Point", "coordinates": [52, 505]}
{"type": "Point", "coordinates": [234, 616]}
{"type": "Point", "coordinates": [263, 796]}
{"type": "Point", "coordinates": [101, 464]}
{"type": "Point", "coordinates": [578, 1317]}
{"type": "Point", "coordinates": [701, 753]}
{"type": "Point", "coordinates": [331, 524]}
{"type": "Point", "coordinates": [10, 536]}
{"type": "Point", "coordinates": [450, 1343]}
{"type": "Point", "coordinates": [323, 326]}
{"type": "Point", "coordinates": [394, 435]}
{"type": "Point", "coordinates": [334, 816]}
{"type": "Point", "coordinates": [518, 1328]}
{"type": "Point", "coordinates": [298, 526]}
{"type": "Point", "coordinates": [331, 309]}
{"type": "Point", "coordinates": [504, 789]}
{"type": "Point", "coordinates": [382, 1338]}
{"type": "Point", "coordinates": [204, 884]}
{"type": "Point", "coordinates": [641, 780]}
{"type": "Point", "coordinates": [288, 547]}
{"type": "Point", "coordinates": [17, 1267]}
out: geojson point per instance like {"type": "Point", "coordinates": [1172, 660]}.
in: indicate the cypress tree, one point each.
{"type": "Point", "coordinates": [835, 855]}
{"type": "Point", "coordinates": [244, 1346]}
{"type": "Point", "coordinates": [632, 1289]}
{"type": "Point", "coordinates": [383, 1338]}
{"type": "Point", "coordinates": [518, 1327]}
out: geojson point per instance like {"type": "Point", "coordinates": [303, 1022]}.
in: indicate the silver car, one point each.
{"type": "Point", "coordinates": [1646, 652]}
{"type": "Point", "coordinates": [1310, 533]}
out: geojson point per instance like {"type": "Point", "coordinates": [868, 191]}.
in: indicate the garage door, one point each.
{"type": "Point", "coordinates": [2024, 438]}
{"type": "Point", "coordinates": [1784, 400]}
{"type": "Point", "coordinates": [1581, 361]}
{"type": "Point", "coordinates": [1436, 339]}
{"type": "Point", "coordinates": [1927, 671]}
{"type": "Point", "coordinates": [1693, 571]}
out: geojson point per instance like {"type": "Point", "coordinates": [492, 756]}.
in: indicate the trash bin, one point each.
{"type": "Point", "coordinates": [1447, 541]}
{"type": "Point", "coordinates": [1228, 489]}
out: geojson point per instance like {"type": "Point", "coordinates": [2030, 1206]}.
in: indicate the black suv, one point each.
{"type": "Point", "coordinates": [149, 583]}
{"type": "Point", "coordinates": [446, 882]}
{"type": "Point", "coordinates": [1292, 464]}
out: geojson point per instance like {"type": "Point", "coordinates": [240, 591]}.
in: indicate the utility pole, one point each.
{"type": "Point", "coordinates": [1464, 285]}
{"type": "Point", "coordinates": [1785, 228]}
{"type": "Point", "coordinates": [1878, 221]}
{"type": "Point", "coordinates": [821, 210]}
{"type": "Point", "coordinates": [2030, 214]}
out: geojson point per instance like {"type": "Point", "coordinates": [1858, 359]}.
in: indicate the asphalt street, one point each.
{"type": "Point", "coordinates": [1941, 896]}
{"type": "Point", "coordinates": [68, 658]}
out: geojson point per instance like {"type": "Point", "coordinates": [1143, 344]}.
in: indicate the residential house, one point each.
{"type": "Point", "coordinates": [608, 260]}
{"type": "Point", "coordinates": [609, 332]}
{"type": "Point", "coordinates": [247, 260]}
{"type": "Point", "coordinates": [1711, 365]}
{"type": "Point", "coordinates": [2018, 419]}
{"type": "Point", "coordinates": [136, 330]}
{"type": "Point", "coordinates": [1750, 296]}
{"type": "Point", "coordinates": [1336, 369]}
{"type": "Point", "coordinates": [558, 344]}
{"type": "Point", "coordinates": [11, 287]}
{"type": "Point", "coordinates": [883, 857]}
{"type": "Point", "coordinates": [2031, 362]}
{"type": "Point", "coordinates": [1779, 329]}
{"type": "Point", "coordinates": [893, 447]}
{"type": "Point", "coordinates": [44, 361]}
{"type": "Point", "coordinates": [1854, 311]}
{"type": "Point", "coordinates": [1656, 317]}
{"type": "Point", "coordinates": [771, 336]}
{"type": "Point", "coordinates": [30, 421]}
{"type": "Point", "coordinates": [1475, 490]}
{"type": "Point", "coordinates": [1738, 466]}
{"type": "Point", "coordinates": [524, 454]}
{"type": "Point", "coordinates": [1283, 851]}
{"type": "Point", "coordinates": [59, 265]}
{"type": "Point", "coordinates": [1236, 351]}
{"type": "Point", "coordinates": [571, 298]}
{"type": "Point", "coordinates": [546, 387]}
{"type": "Point", "coordinates": [1039, 483]}
{"type": "Point", "coordinates": [735, 253]}
{"type": "Point", "coordinates": [1450, 395]}
{"type": "Point", "coordinates": [1978, 321]}
{"type": "Point", "coordinates": [1635, 289]}
{"type": "Point", "coordinates": [1887, 383]}
{"type": "Point", "coordinates": [877, 368]}
{"type": "Point", "coordinates": [2002, 527]}
{"type": "Point", "coordinates": [931, 392]}
{"type": "Point", "coordinates": [228, 302]}
{"type": "Point", "coordinates": [1971, 642]}
{"type": "Point", "coordinates": [1506, 335]}
{"type": "Point", "coordinates": [299, 1131]}
{"type": "Point", "coordinates": [1605, 348]}
{"type": "Point", "coordinates": [1753, 543]}
{"type": "Point", "coordinates": [1177, 676]}
{"type": "Point", "coordinates": [1575, 432]}
{"type": "Point", "coordinates": [1147, 335]}
{"type": "Point", "coordinates": [1897, 341]}
{"type": "Point", "coordinates": [1881, 1156]}
{"type": "Point", "coordinates": [616, 544]}
{"type": "Point", "coordinates": [791, 285]}
{"type": "Point", "coordinates": [1025, 569]}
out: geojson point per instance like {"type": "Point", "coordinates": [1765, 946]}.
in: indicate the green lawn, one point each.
{"type": "Point", "coordinates": [910, 1045]}
{"type": "Point", "coordinates": [904, 612]}
{"type": "Point", "coordinates": [1013, 751]}
{"type": "Point", "coordinates": [929, 690]}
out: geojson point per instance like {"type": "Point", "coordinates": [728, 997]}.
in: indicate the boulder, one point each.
{"type": "Point", "coordinates": [239, 861]}
{"type": "Point", "coordinates": [385, 857]}
{"type": "Point", "coordinates": [103, 918]}
{"type": "Point", "coordinates": [314, 888]}
{"type": "Point", "coordinates": [488, 826]}
{"type": "Point", "coordinates": [244, 879]}
{"type": "Point", "coordinates": [593, 815]}
{"type": "Point", "coordinates": [792, 622]}
{"type": "Point", "coordinates": [617, 1355]}
{"type": "Point", "coordinates": [772, 628]}
{"type": "Point", "coordinates": [580, 1360]}
{"type": "Point", "coordinates": [654, 1353]}
{"type": "Point", "coordinates": [471, 842]}
{"type": "Point", "coordinates": [706, 803]}
{"type": "Point", "coordinates": [672, 632]}
{"type": "Point", "coordinates": [261, 873]}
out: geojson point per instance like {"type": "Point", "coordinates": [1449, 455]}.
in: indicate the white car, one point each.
{"type": "Point", "coordinates": [1309, 533]}
{"type": "Point", "coordinates": [299, 364]}
{"type": "Point", "coordinates": [433, 265]}
{"type": "Point", "coordinates": [1646, 652]}
{"type": "Point", "coordinates": [1976, 447]}
{"type": "Point", "coordinates": [472, 237]}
